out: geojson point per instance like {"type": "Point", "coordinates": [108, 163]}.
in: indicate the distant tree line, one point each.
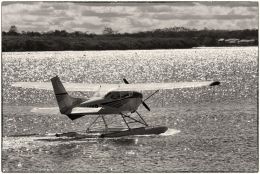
{"type": "Point", "coordinates": [167, 38]}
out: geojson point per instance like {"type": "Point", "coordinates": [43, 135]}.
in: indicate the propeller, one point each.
{"type": "Point", "coordinates": [144, 104]}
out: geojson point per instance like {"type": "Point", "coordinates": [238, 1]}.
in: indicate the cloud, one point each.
{"type": "Point", "coordinates": [6, 3]}
{"type": "Point", "coordinates": [154, 9]}
{"type": "Point", "coordinates": [128, 16]}
{"type": "Point", "coordinates": [103, 14]}
{"type": "Point", "coordinates": [201, 17]}
{"type": "Point", "coordinates": [87, 25]}
{"type": "Point", "coordinates": [134, 4]}
{"type": "Point", "coordinates": [231, 3]}
{"type": "Point", "coordinates": [145, 23]}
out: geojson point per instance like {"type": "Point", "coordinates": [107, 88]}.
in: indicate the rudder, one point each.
{"type": "Point", "coordinates": [65, 102]}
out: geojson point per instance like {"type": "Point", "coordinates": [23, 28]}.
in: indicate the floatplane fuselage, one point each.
{"type": "Point", "coordinates": [115, 102]}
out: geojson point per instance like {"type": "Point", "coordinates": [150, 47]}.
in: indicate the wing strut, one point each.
{"type": "Point", "coordinates": [151, 95]}
{"type": "Point", "coordinates": [141, 118]}
{"type": "Point", "coordinates": [123, 116]}
{"type": "Point", "coordinates": [135, 120]}
{"type": "Point", "coordinates": [103, 118]}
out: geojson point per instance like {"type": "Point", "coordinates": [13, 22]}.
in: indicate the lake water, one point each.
{"type": "Point", "coordinates": [210, 129]}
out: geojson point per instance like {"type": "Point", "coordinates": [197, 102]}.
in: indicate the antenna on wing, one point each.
{"type": "Point", "coordinates": [125, 81]}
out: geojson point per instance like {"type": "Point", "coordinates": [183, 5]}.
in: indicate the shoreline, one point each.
{"type": "Point", "coordinates": [200, 47]}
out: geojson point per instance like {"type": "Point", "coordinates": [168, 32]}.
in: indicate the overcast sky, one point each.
{"type": "Point", "coordinates": [128, 17]}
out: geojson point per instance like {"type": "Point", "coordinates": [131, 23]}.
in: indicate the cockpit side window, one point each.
{"type": "Point", "coordinates": [115, 95]}
{"type": "Point", "coordinates": [125, 94]}
{"type": "Point", "coordinates": [118, 95]}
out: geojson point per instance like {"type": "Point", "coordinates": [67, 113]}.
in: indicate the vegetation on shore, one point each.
{"type": "Point", "coordinates": [168, 38]}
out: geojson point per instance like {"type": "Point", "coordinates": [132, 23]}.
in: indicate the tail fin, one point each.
{"type": "Point", "coordinates": [65, 102]}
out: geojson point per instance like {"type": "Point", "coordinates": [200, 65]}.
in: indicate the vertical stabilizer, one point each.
{"type": "Point", "coordinates": [65, 102]}
{"type": "Point", "coordinates": [58, 86]}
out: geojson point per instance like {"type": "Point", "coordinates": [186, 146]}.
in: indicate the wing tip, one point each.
{"type": "Point", "coordinates": [215, 83]}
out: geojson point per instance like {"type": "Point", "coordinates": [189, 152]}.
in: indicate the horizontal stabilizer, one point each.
{"type": "Point", "coordinates": [85, 110]}
{"type": "Point", "coordinates": [51, 110]}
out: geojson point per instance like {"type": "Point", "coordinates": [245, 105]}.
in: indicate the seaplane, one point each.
{"type": "Point", "coordinates": [109, 99]}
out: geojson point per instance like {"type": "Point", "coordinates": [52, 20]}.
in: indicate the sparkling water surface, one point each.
{"type": "Point", "coordinates": [210, 129]}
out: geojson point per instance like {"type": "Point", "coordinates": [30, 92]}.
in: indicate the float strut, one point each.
{"type": "Point", "coordinates": [104, 121]}
{"type": "Point", "coordinates": [92, 123]}
{"type": "Point", "coordinates": [141, 118]}
{"type": "Point", "coordinates": [125, 121]}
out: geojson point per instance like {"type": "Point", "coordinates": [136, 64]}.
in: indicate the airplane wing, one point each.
{"type": "Point", "coordinates": [158, 86]}
{"type": "Point", "coordinates": [48, 86]}
{"type": "Point", "coordinates": [116, 87]}
{"type": "Point", "coordinates": [76, 110]}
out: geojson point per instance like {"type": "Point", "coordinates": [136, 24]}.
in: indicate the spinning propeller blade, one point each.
{"type": "Point", "coordinates": [144, 104]}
